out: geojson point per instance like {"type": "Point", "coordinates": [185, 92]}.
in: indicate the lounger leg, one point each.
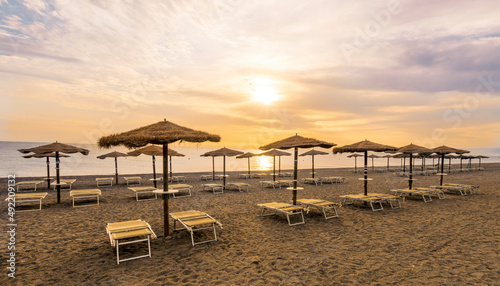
{"type": "Point", "coordinates": [117, 253]}
{"type": "Point", "coordinates": [429, 200]}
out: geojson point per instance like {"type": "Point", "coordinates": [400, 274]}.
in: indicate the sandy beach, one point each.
{"type": "Point", "coordinates": [454, 241]}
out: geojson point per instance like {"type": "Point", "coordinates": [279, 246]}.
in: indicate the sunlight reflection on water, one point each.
{"type": "Point", "coordinates": [262, 163]}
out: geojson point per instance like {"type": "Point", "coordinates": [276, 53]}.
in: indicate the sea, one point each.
{"type": "Point", "coordinates": [13, 163]}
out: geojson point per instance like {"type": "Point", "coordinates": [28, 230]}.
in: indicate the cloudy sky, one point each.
{"type": "Point", "coordinates": [393, 72]}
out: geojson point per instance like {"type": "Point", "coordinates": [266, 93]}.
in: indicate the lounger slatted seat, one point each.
{"type": "Point", "coordinates": [437, 192]}
{"type": "Point", "coordinates": [373, 201]}
{"type": "Point", "coordinates": [286, 209]}
{"type": "Point", "coordinates": [195, 221]}
{"type": "Point", "coordinates": [181, 188]}
{"type": "Point", "coordinates": [21, 198]}
{"type": "Point", "coordinates": [242, 187]}
{"type": "Point", "coordinates": [144, 190]}
{"type": "Point", "coordinates": [387, 198]}
{"type": "Point", "coordinates": [104, 181]}
{"type": "Point", "coordinates": [426, 196]}
{"type": "Point", "coordinates": [64, 183]}
{"type": "Point", "coordinates": [138, 230]}
{"type": "Point", "coordinates": [322, 205]}
{"type": "Point", "coordinates": [451, 189]}
{"type": "Point", "coordinates": [84, 195]}
{"type": "Point", "coordinates": [470, 188]}
{"type": "Point", "coordinates": [28, 185]}
{"type": "Point", "coordinates": [133, 180]}
{"type": "Point", "coordinates": [215, 188]}
{"type": "Point", "coordinates": [315, 181]}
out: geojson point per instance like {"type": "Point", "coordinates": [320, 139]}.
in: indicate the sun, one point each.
{"type": "Point", "coordinates": [264, 92]}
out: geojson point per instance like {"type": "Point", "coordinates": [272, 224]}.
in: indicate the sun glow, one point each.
{"type": "Point", "coordinates": [263, 91]}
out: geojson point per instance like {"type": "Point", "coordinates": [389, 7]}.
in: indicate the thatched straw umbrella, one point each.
{"type": "Point", "coordinates": [57, 148]}
{"type": "Point", "coordinates": [296, 142]}
{"type": "Point", "coordinates": [275, 153]}
{"type": "Point", "coordinates": [162, 133]}
{"type": "Point", "coordinates": [222, 152]}
{"type": "Point", "coordinates": [355, 155]}
{"type": "Point", "coordinates": [115, 155]}
{"type": "Point", "coordinates": [373, 156]}
{"type": "Point", "coordinates": [411, 149]}
{"type": "Point", "coordinates": [53, 154]}
{"type": "Point", "coordinates": [481, 157]}
{"type": "Point", "coordinates": [247, 155]}
{"type": "Point", "coordinates": [313, 153]}
{"type": "Point", "coordinates": [442, 151]}
{"type": "Point", "coordinates": [364, 146]}
{"type": "Point", "coordinates": [388, 157]}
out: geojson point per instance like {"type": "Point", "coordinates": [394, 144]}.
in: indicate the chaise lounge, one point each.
{"type": "Point", "coordinates": [322, 205]}
{"type": "Point", "coordinates": [286, 209]}
{"type": "Point", "coordinates": [126, 230]}
{"type": "Point", "coordinates": [195, 221]}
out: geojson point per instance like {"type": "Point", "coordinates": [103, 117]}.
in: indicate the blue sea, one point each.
{"type": "Point", "coordinates": [78, 164]}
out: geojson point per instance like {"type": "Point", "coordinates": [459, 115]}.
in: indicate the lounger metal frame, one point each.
{"type": "Point", "coordinates": [85, 195]}
{"type": "Point", "coordinates": [195, 221]}
{"type": "Point", "coordinates": [181, 187]}
{"type": "Point", "coordinates": [131, 180]}
{"type": "Point", "coordinates": [437, 192]}
{"type": "Point", "coordinates": [28, 184]}
{"type": "Point", "coordinates": [286, 209]}
{"type": "Point", "coordinates": [216, 188]}
{"type": "Point", "coordinates": [315, 181]}
{"type": "Point", "coordinates": [426, 196]}
{"type": "Point", "coordinates": [351, 199]}
{"type": "Point", "coordinates": [242, 187]}
{"type": "Point", "coordinates": [29, 197]}
{"type": "Point", "coordinates": [144, 190]}
{"type": "Point", "coordinates": [104, 181]}
{"type": "Point", "coordinates": [139, 225]}
{"type": "Point", "coordinates": [387, 198]}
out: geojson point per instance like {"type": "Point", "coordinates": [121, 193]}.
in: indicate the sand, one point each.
{"type": "Point", "coordinates": [454, 241]}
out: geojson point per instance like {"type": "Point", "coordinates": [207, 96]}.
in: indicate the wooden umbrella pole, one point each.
{"type": "Point", "coordinates": [170, 160]}
{"type": "Point", "coordinates": [165, 189]}
{"type": "Point", "coordinates": [154, 170]}
{"type": "Point", "coordinates": [442, 169]}
{"type": "Point", "coordinates": [366, 173]}
{"type": "Point", "coordinates": [248, 166]}
{"type": "Point", "coordinates": [224, 171]}
{"type": "Point", "coordinates": [116, 169]}
{"type": "Point", "coordinates": [58, 180]}
{"type": "Point", "coordinates": [213, 168]}
{"type": "Point", "coordinates": [356, 164]}
{"type": "Point", "coordinates": [313, 165]}
{"type": "Point", "coordinates": [410, 181]}
{"type": "Point", "coordinates": [295, 165]}
{"type": "Point", "coordinates": [48, 173]}
{"type": "Point", "coordinates": [274, 168]}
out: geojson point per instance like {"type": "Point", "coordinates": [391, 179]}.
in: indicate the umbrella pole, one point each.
{"type": "Point", "coordinates": [116, 169]}
{"type": "Point", "coordinates": [154, 170]}
{"type": "Point", "coordinates": [404, 164]}
{"type": "Point", "coordinates": [48, 173]}
{"type": "Point", "coordinates": [294, 193]}
{"type": "Point", "coordinates": [224, 171]}
{"type": "Point", "coordinates": [366, 173]}
{"type": "Point", "coordinates": [249, 166]}
{"type": "Point", "coordinates": [313, 165]}
{"type": "Point", "coordinates": [410, 181]}
{"type": "Point", "coordinates": [449, 165]}
{"type": "Point", "coordinates": [355, 164]}
{"type": "Point", "coordinates": [213, 168]}
{"type": "Point", "coordinates": [279, 168]}
{"type": "Point", "coordinates": [442, 169]}
{"type": "Point", "coordinates": [58, 180]}
{"type": "Point", "coordinates": [387, 163]}
{"type": "Point", "coordinates": [165, 189]}
{"type": "Point", "coordinates": [170, 160]}
{"type": "Point", "coordinates": [274, 168]}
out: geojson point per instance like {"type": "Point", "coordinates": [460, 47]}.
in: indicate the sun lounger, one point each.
{"type": "Point", "coordinates": [179, 188]}
{"type": "Point", "coordinates": [322, 205]}
{"type": "Point", "coordinates": [437, 192]}
{"type": "Point", "coordinates": [104, 181]}
{"type": "Point", "coordinates": [470, 188]}
{"type": "Point", "coordinates": [451, 189]}
{"type": "Point", "coordinates": [126, 230]}
{"type": "Point", "coordinates": [242, 187]}
{"type": "Point", "coordinates": [144, 190]}
{"type": "Point", "coordinates": [245, 176]}
{"type": "Point", "coordinates": [351, 199]}
{"type": "Point", "coordinates": [274, 184]}
{"type": "Point", "coordinates": [258, 175]}
{"type": "Point", "coordinates": [28, 185]}
{"type": "Point", "coordinates": [216, 188]}
{"type": "Point", "coordinates": [133, 180]}
{"type": "Point", "coordinates": [315, 181]}
{"type": "Point", "coordinates": [68, 183]}
{"type": "Point", "coordinates": [207, 177]}
{"type": "Point", "coordinates": [20, 198]}
{"type": "Point", "coordinates": [426, 196]}
{"type": "Point", "coordinates": [286, 209]}
{"type": "Point", "coordinates": [287, 174]}
{"type": "Point", "coordinates": [387, 198]}
{"type": "Point", "coordinates": [333, 180]}
{"type": "Point", "coordinates": [177, 179]}
{"type": "Point", "coordinates": [220, 177]}
{"type": "Point", "coordinates": [195, 221]}
{"type": "Point", "coordinates": [84, 195]}
{"type": "Point", "coordinates": [285, 183]}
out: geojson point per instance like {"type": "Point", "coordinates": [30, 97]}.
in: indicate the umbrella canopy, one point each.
{"type": "Point", "coordinates": [247, 155]}
{"type": "Point", "coordinates": [115, 155]}
{"type": "Point", "coordinates": [296, 142]}
{"type": "Point", "coordinates": [411, 149]}
{"type": "Point", "coordinates": [364, 146]}
{"type": "Point", "coordinates": [355, 155]}
{"type": "Point", "coordinates": [48, 155]}
{"type": "Point", "coordinates": [275, 153]}
{"type": "Point", "coordinates": [222, 152]}
{"type": "Point", "coordinates": [481, 157]}
{"type": "Point", "coordinates": [57, 148]}
{"type": "Point", "coordinates": [313, 153]}
{"type": "Point", "coordinates": [373, 156]}
{"type": "Point", "coordinates": [164, 133]}
{"type": "Point", "coordinates": [442, 151]}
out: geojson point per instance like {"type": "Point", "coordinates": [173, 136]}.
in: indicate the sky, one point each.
{"type": "Point", "coordinates": [393, 72]}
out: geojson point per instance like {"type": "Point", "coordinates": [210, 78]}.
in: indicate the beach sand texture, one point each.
{"type": "Point", "coordinates": [454, 241]}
